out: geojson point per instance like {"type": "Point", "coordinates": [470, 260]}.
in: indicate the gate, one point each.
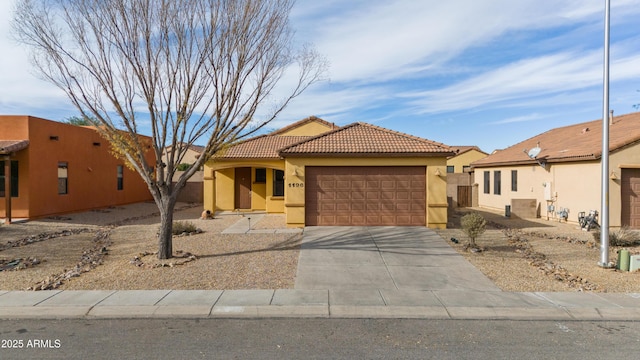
{"type": "Point", "coordinates": [464, 196]}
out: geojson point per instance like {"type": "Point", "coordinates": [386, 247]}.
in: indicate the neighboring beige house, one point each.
{"type": "Point", "coordinates": [319, 174]}
{"type": "Point", "coordinates": [460, 190]}
{"type": "Point", "coordinates": [193, 191]}
{"type": "Point", "coordinates": [565, 173]}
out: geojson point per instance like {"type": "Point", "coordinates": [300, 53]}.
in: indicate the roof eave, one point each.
{"type": "Point", "coordinates": [590, 157]}
{"type": "Point", "coordinates": [368, 154]}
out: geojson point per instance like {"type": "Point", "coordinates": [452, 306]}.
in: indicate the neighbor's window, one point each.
{"type": "Point", "coordinates": [487, 179]}
{"type": "Point", "coordinates": [450, 169]}
{"type": "Point", "coordinates": [278, 183]}
{"type": "Point", "coordinates": [497, 184]}
{"type": "Point", "coordinates": [14, 179]}
{"type": "Point", "coordinates": [63, 175]}
{"type": "Point", "coordinates": [514, 180]}
{"type": "Point", "coordinates": [466, 168]}
{"type": "Point", "coordinates": [261, 176]}
{"type": "Point", "coordinates": [120, 177]}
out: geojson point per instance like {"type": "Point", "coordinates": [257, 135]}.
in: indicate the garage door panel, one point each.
{"type": "Point", "coordinates": [373, 195]}
{"type": "Point", "coordinates": [373, 185]}
{"type": "Point", "coordinates": [345, 206]}
{"type": "Point", "coordinates": [387, 195]}
{"type": "Point", "coordinates": [415, 195]}
{"type": "Point", "coordinates": [366, 195]}
{"type": "Point", "coordinates": [373, 207]}
{"type": "Point", "coordinates": [343, 195]}
{"type": "Point", "coordinates": [328, 206]}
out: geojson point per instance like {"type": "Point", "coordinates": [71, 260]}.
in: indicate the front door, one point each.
{"type": "Point", "coordinates": [243, 188]}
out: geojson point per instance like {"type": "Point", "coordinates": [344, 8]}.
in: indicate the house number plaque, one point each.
{"type": "Point", "coordinates": [296, 185]}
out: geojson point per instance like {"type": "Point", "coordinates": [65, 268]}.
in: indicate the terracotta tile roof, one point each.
{"type": "Point", "coordinates": [310, 119]}
{"type": "Point", "coordinates": [366, 140]}
{"type": "Point", "coordinates": [569, 143]}
{"type": "Point", "coordinates": [261, 147]}
{"type": "Point", "coordinates": [9, 146]}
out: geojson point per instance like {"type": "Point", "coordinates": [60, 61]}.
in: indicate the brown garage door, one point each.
{"type": "Point", "coordinates": [393, 195]}
{"type": "Point", "coordinates": [631, 198]}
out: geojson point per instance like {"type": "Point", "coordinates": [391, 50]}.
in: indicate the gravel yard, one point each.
{"type": "Point", "coordinates": [519, 255]}
{"type": "Point", "coordinates": [222, 261]}
{"type": "Point", "coordinates": [541, 255]}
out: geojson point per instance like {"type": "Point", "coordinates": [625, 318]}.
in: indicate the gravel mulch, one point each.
{"type": "Point", "coordinates": [541, 255]}
{"type": "Point", "coordinates": [209, 260]}
{"type": "Point", "coordinates": [64, 252]}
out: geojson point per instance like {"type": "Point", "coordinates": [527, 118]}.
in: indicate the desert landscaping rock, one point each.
{"type": "Point", "coordinates": [526, 255]}
{"type": "Point", "coordinates": [97, 250]}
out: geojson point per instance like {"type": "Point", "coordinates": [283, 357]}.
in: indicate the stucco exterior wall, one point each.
{"type": "Point", "coordinates": [464, 159]}
{"type": "Point", "coordinates": [219, 187]}
{"type": "Point", "coordinates": [435, 188]}
{"type": "Point", "coordinates": [308, 129]}
{"type": "Point", "coordinates": [92, 169]}
{"type": "Point", "coordinates": [572, 185]}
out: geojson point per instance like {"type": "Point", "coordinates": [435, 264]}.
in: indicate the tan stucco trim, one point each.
{"type": "Point", "coordinates": [629, 166]}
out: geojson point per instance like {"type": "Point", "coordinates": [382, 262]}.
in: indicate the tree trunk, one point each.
{"type": "Point", "coordinates": [165, 236]}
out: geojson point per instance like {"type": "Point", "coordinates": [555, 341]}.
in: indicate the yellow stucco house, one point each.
{"type": "Point", "coordinates": [319, 174]}
{"type": "Point", "coordinates": [461, 161]}
{"type": "Point", "coordinates": [557, 173]}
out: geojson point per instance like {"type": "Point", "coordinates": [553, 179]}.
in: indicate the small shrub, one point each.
{"type": "Point", "coordinates": [621, 237]}
{"type": "Point", "coordinates": [183, 167]}
{"type": "Point", "coordinates": [474, 225]}
{"type": "Point", "coordinates": [180, 227]}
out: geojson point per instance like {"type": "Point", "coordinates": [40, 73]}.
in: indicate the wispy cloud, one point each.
{"type": "Point", "coordinates": [517, 119]}
{"type": "Point", "coordinates": [408, 64]}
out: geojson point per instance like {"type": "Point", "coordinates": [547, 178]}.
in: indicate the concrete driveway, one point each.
{"type": "Point", "coordinates": [393, 258]}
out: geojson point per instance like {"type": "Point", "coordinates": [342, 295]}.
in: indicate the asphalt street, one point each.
{"type": "Point", "coordinates": [317, 339]}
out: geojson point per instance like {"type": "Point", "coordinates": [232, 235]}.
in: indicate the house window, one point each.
{"type": "Point", "coordinates": [261, 176]}
{"type": "Point", "coordinates": [120, 177]}
{"type": "Point", "coordinates": [63, 176]}
{"type": "Point", "coordinates": [487, 186]}
{"type": "Point", "coordinates": [14, 179]}
{"type": "Point", "coordinates": [450, 169]}
{"type": "Point", "coordinates": [278, 183]}
{"type": "Point", "coordinates": [466, 168]}
{"type": "Point", "coordinates": [514, 180]}
{"type": "Point", "coordinates": [496, 182]}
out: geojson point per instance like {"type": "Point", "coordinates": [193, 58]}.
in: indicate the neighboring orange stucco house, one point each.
{"type": "Point", "coordinates": [59, 168]}
{"type": "Point", "coordinates": [319, 174]}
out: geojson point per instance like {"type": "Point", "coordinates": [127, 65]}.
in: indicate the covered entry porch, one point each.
{"type": "Point", "coordinates": [246, 187]}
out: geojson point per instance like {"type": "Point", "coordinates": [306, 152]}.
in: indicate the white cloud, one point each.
{"type": "Point", "coordinates": [525, 79]}
{"type": "Point", "coordinates": [382, 40]}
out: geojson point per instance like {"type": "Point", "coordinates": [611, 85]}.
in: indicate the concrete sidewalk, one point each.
{"type": "Point", "coordinates": [369, 303]}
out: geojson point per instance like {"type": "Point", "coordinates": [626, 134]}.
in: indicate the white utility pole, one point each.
{"type": "Point", "coordinates": [604, 212]}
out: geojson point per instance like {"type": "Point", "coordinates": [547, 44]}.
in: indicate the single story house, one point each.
{"type": "Point", "coordinates": [557, 173]}
{"type": "Point", "coordinates": [460, 162]}
{"type": "Point", "coordinates": [319, 174]}
{"type": "Point", "coordinates": [49, 168]}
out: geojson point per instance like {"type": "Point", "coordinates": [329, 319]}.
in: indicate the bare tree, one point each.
{"type": "Point", "coordinates": [193, 71]}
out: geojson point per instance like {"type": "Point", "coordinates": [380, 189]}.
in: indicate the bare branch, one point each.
{"type": "Point", "coordinates": [185, 71]}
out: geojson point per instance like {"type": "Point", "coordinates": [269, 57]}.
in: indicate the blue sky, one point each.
{"type": "Point", "coordinates": [462, 72]}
